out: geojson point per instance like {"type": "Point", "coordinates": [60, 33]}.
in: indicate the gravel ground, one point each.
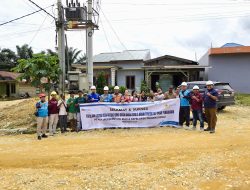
{"type": "Point", "coordinates": [155, 158]}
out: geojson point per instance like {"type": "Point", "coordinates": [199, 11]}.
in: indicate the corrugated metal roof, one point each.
{"type": "Point", "coordinates": [126, 55]}
{"type": "Point", "coordinates": [4, 75]}
{"type": "Point", "coordinates": [231, 45]}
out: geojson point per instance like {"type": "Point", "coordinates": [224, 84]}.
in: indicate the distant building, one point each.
{"type": "Point", "coordinates": [129, 68]}
{"type": "Point", "coordinates": [229, 63]}
{"type": "Point", "coordinates": [10, 86]}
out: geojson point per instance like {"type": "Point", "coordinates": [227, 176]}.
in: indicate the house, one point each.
{"type": "Point", "coordinates": [129, 68]}
{"type": "Point", "coordinates": [229, 63]}
{"type": "Point", "coordinates": [169, 70]}
{"type": "Point", "coordinates": [10, 86]}
{"type": "Point", "coordinates": [120, 68]}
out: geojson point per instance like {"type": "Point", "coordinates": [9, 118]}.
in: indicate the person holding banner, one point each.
{"type": "Point", "coordinates": [79, 100]}
{"type": "Point", "coordinates": [117, 96]}
{"type": "Point", "coordinates": [185, 105]}
{"type": "Point", "coordinates": [143, 97]}
{"type": "Point", "coordinates": [126, 98]}
{"type": "Point", "coordinates": [93, 96]}
{"type": "Point", "coordinates": [106, 97]}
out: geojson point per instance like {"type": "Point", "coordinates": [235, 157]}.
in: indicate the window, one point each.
{"type": "Point", "coordinates": [130, 82]}
{"type": "Point", "coordinates": [13, 88]}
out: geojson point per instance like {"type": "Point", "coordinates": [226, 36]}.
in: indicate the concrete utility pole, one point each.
{"type": "Point", "coordinates": [90, 44]}
{"type": "Point", "coordinates": [61, 45]}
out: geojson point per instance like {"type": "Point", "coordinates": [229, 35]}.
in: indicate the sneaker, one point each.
{"type": "Point", "coordinates": [194, 128]}
{"type": "Point", "coordinates": [39, 138]}
{"type": "Point", "coordinates": [207, 129]}
{"type": "Point", "coordinates": [201, 129]}
{"type": "Point", "coordinates": [212, 131]}
{"type": "Point", "coordinates": [44, 136]}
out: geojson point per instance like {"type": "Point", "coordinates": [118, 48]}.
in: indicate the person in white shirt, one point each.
{"type": "Point", "coordinates": [62, 106]}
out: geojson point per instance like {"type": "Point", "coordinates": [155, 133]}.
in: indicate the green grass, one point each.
{"type": "Point", "coordinates": [243, 99]}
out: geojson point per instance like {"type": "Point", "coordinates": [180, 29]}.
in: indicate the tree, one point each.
{"type": "Point", "coordinates": [8, 59]}
{"type": "Point", "coordinates": [73, 56]}
{"type": "Point", "coordinates": [40, 66]}
{"type": "Point", "coordinates": [24, 52]}
{"type": "Point", "coordinates": [100, 83]}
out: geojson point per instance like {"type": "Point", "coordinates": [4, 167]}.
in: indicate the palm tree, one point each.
{"type": "Point", "coordinates": [73, 56]}
{"type": "Point", "coordinates": [24, 52]}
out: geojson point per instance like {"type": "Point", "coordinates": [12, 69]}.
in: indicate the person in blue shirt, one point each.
{"type": "Point", "coordinates": [93, 96]}
{"type": "Point", "coordinates": [42, 117]}
{"type": "Point", "coordinates": [106, 97]}
{"type": "Point", "coordinates": [185, 96]}
{"type": "Point", "coordinates": [210, 104]}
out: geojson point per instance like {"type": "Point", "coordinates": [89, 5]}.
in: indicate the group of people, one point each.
{"type": "Point", "coordinates": [58, 109]}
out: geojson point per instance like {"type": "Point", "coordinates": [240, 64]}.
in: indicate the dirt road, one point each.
{"type": "Point", "coordinates": [155, 158]}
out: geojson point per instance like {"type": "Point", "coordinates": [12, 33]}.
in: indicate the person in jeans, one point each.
{"type": "Point", "coordinates": [196, 107]}
{"type": "Point", "coordinates": [184, 115]}
{"type": "Point", "coordinates": [62, 113]}
{"type": "Point", "coordinates": [53, 113]}
{"type": "Point", "coordinates": [79, 100]}
{"type": "Point", "coordinates": [210, 105]}
{"type": "Point", "coordinates": [106, 97]}
{"type": "Point", "coordinates": [72, 112]}
{"type": "Point", "coordinates": [42, 117]}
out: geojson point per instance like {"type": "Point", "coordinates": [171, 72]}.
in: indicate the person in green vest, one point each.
{"type": "Point", "coordinates": [79, 100]}
{"type": "Point", "coordinates": [72, 112]}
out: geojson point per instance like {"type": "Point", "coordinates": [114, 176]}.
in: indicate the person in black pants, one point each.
{"type": "Point", "coordinates": [184, 115]}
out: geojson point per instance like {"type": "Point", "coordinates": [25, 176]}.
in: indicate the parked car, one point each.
{"type": "Point", "coordinates": [225, 91]}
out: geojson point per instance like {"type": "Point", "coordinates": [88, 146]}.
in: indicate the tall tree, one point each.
{"type": "Point", "coordinates": [8, 59]}
{"type": "Point", "coordinates": [39, 67]}
{"type": "Point", "coordinates": [24, 51]}
{"type": "Point", "coordinates": [73, 56]}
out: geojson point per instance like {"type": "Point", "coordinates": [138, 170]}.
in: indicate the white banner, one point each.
{"type": "Point", "coordinates": [128, 115]}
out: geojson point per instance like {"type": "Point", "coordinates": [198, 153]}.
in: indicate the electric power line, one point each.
{"type": "Point", "coordinates": [42, 9]}
{"type": "Point", "coordinates": [38, 30]}
{"type": "Point", "coordinates": [23, 16]}
{"type": "Point", "coordinates": [123, 45]}
{"type": "Point", "coordinates": [106, 36]}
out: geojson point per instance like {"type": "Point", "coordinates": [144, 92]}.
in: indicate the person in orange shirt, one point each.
{"type": "Point", "coordinates": [117, 96]}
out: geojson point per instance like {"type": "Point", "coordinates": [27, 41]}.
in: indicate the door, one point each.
{"type": "Point", "coordinates": [154, 79]}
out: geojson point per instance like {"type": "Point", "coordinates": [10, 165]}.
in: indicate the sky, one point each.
{"type": "Point", "coordinates": [179, 28]}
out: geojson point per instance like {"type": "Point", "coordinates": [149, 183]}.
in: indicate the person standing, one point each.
{"type": "Point", "coordinates": [93, 96]}
{"type": "Point", "coordinates": [135, 97]}
{"type": "Point", "coordinates": [117, 96]}
{"type": "Point", "coordinates": [170, 94]}
{"type": "Point", "coordinates": [72, 112]}
{"type": "Point", "coordinates": [210, 105]}
{"type": "Point", "coordinates": [143, 97]}
{"type": "Point", "coordinates": [62, 106]}
{"type": "Point", "coordinates": [184, 95]}
{"type": "Point", "coordinates": [42, 117]}
{"type": "Point", "coordinates": [196, 107]}
{"type": "Point", "coordinates": [126, 97]}
{"type": "Point", "coordinates": [159, 96]}
{"type": "Point", "coordinates": [106, 97]}
{"type": "Point", "coordinates": [53, 113]}
{"type": "Point", "coordinates": [79, 100]}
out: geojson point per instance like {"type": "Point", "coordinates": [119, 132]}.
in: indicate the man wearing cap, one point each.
{"type": "Point", "coordinates": [42, 117]}
{"type": "Point", "coordinates": [117, 96]}
{"type": "Point", "coordinates": [79, 100]}
{"type": "Point", "coordinates": [184, 95]}
{"type": "Point", "coordinates": [72, 112]}
{"type": "Point", "coordinates": [210, 104]}
{"type": "Point", "coordinates": [53, 113]}
{"type": "Point", "coordinates": [170, 94]}
{"type": "Point", "coordinates": [106, 97]}
{"type": "Point", "coordinates": [196, 106]}
{"type": "Point", "coordinates": [93, 96]}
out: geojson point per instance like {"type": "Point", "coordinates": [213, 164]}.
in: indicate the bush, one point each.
{"type": "Point", "coordinates": [144, 87]}
{"type": "Point", "coordinates": [243, 99]}
{"type": "Point", "coordinates": [100, 83]}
